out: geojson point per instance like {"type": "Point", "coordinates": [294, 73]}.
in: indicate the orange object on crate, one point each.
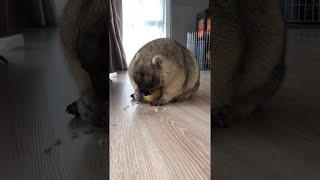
{"type": "Point", "coordinates": [203, 23]}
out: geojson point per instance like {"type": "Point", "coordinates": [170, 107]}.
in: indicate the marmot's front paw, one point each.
{"type": "Point", "coordinates": [72, 109]}
{"type": "Point", "coordinates": [221, 117]}
{"type": "Point", "coordinates": [159, 102]}
{"type": "Point", "coordinates": [137, 96]}
{"type": "Point", "coordinates": [179, 98]}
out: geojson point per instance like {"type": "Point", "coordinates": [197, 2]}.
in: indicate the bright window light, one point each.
{"type": "Point", "coordinates": [143, 21]}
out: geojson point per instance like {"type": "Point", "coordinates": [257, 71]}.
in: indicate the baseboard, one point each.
{"type": "Point", "coordinates": [11, 42]}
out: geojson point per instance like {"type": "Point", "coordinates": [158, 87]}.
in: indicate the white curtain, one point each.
{"type": "Point", "coordinates": [143, 21]}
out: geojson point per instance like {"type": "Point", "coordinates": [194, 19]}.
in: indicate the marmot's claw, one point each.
{"type": "Point", "coordinates": [221, 117]}
{"type": "Point", "coordinates": [72, 109]}
{"type": "Point", "coordinates": [159, 102]}
{"type": "Point", "coordinates": [179, 98]}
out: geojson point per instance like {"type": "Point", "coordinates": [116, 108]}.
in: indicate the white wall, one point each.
{"type": "Point", "coordinates": [183, 19]}
{"type": "Point", "coordinates": [60, 4]}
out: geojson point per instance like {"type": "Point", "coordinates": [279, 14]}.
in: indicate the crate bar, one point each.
{"type": "Point", "coordinates": [206, 50]}
{"type": "Point", "coordinates": [195, 47]}
{"type": "Point", "coordinates": [312, 10]}
{"type": "Point", "coordinates": [285, 9]}
{"type": "Point", "coordinates": [199, 46]}
{"type": "Point", "coordinates": [292, 13]}
{"type": "Point", "coordinates": [298, 9]}
{"type": "Point", "coordinates": [301, 11]}
{"type": "Point", "coordinates": [209, 52]}
{"type": "Point", "coordinates": [305, 10]}
{"type": "Point", "coordinates": [201, 51]}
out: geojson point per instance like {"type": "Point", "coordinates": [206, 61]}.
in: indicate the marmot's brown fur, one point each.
{"type": "Point", "coordinates": [84, 35]}
{"type": "Point", "coordinates": [164, 63]}
{"type": "Point", "coordinates": [248, 66]}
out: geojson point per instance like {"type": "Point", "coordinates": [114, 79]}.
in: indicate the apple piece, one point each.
{"type": "Point", "coordinates": [153, 96]}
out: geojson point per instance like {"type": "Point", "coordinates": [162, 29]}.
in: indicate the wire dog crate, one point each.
{"type": "Point", "coordinates": [301, 11]}
{"type": "Point", "coordinates": [199, 46]}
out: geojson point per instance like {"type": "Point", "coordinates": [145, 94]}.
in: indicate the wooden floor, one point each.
{"type": "Point", "coordinates": [283, 142]}
{"type": "Point", "coordinates": [168, 142]}
{"type": "Point", "coordinates": [34, 90]}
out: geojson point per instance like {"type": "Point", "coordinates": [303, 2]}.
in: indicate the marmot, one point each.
{"type": "Point", "coordinates": [167, 65]}
{"type": "Point", "coordinates": [84, 35]}
{"type": "Point", "coordinates": [249, 47]}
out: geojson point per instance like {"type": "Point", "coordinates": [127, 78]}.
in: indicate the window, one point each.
{"type": "Point", "coordinates": [143, 21]}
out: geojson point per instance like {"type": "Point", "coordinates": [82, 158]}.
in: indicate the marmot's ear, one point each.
{"type": "Point", "coordinates": [158, 60]}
